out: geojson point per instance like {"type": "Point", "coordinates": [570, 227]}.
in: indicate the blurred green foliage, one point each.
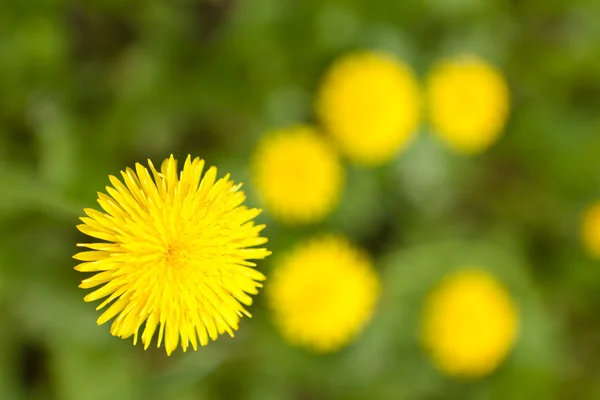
{"type": "Point", "coordinates": [89, 88]}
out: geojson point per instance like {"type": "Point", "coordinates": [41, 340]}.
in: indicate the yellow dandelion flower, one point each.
{"type": "Point", "coordinates": [174, 254]}
{"type": "Point", "coordinates": [468, 102]}
{"type": "Point", "coordinates": [323, 293]}
{"type": "Point", "coordinates": [297, 175]}
{"type": "Point", "coordinates": [370, 103]}
{"type": "Point", "coordinates": [469, 324]}
{"type": "Point", "coordinates": [590, 230]}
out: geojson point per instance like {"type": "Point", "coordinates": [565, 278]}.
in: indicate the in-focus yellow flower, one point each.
{"type": "Point", "coordinates": [174, 254]}
{"type": "Point", "coordinates": [323, 293]}
{"type": "Point", "coordinates": [370, 103]}
{"type": "Point", "coordinates": [469, 324]}
{"type": "Point", "coordinates": [468, 102]}
{"type": "Point", "coordinates": [297, 174]}
{"type": "Point", "coordinates": [590, 230]}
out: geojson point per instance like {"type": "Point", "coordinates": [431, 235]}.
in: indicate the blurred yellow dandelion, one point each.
{"type": "Point", "coordinates": [297, 174]}
{"type": "Point", "coordinates": [468, 103]}
{"type": "Point", "coordinates": [174, 254]}
{"type": "Point", "coordinates": [590, 230]}
{"type": "Point", "coordinates": [469, 324]}
{"type": "Point", "coordinates": [323, 293]}
{"type": "Point", "coordinates": [370, 103]}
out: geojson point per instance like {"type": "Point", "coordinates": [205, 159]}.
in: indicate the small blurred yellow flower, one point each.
{"type": "Point", "coordinates": [469, 324]}
{"type": "Point", "coordinates": [370, 103]}
{"type": "Point", "coordinates": [298, 175]}
{"type": "Point", "coordinates": [468, 103]}
{"type": "Point", "coordinates": [590, 230]}
{"type": "Point", "coordinates": [174, 252]}
{"type": "Point", "coordinates": [323, 293]}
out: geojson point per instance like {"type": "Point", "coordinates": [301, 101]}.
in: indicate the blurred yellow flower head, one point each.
{"type": "Point", "coordinates": [590, 230]}
{"type": "Point", "coordinates": [298, 175]}
{"type": "Point", "coordinates": [323, 293]}
{"type": "Point", "coordinates": [468, 103]}
{"type": "Point", "coordinates": [469, 324]}
{"type": "Point", "coordinates": [370, 103]}
{"type": "Point", "coordinates": [173, 254]}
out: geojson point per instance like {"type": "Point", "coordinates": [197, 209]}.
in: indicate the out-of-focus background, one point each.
{"type": "Point", "coordinates": [89, 88]}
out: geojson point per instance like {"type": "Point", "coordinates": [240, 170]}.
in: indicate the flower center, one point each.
{"type": "Point", "coordinates": [175, 254]}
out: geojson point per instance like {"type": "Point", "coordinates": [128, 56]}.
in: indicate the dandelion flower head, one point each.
{"type": "Point", "coordinates": [469, 324]}
{"type": "Point", "coordinates": [298, 175]}
{"type": "Point", "coordinates": [468, 103]}
{"type": "Point", "coordinates": [173, 254]}
{"type": "Point", "coordinates": [323, 293]}
{"type": "Point", "coordinates": [590, 230]}
{"type": "Point", "coordinates": [370, 103]}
